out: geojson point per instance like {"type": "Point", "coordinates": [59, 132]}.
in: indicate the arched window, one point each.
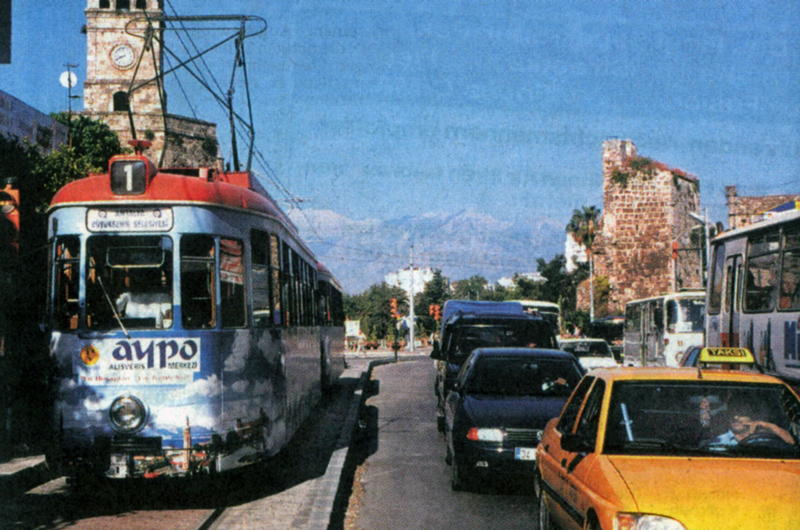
{"type": "Point", "coordinates": [105, 4]}
{"type": "Point", "coordinates": [141, 4]}
{"type": "Point", "coordinates": [121, 101]}
{"type": "Point", "coordinates": [123, 4]}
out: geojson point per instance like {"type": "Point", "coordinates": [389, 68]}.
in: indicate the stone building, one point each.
{"type": "Point", "coordinates": [745, 210]}
{"type": "Point", "coordinates": [646, 207]}
{"type": "Point", "coordinates": [123, 56]}
{"type": "Point", "coordinates": [21, 121]}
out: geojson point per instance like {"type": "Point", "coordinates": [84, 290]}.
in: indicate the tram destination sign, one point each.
{"type": "Point", "coordinates": [129, 219]}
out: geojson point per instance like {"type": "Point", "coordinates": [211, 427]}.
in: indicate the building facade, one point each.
{"type": "Point", "coordinates": [123, 63]}
{"type": "Point", "coordinates": [21, 121]}
{"type": "Point", "coordinates": [745, 210]}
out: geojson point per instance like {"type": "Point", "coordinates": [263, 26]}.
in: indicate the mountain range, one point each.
{"type": "Point", "coordinates": [361, 252]}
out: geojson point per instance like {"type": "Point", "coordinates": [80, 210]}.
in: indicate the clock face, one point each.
{"type": "Point", "coordinates": [122, 56]}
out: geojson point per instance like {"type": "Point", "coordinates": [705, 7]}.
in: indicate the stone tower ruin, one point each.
{"type": "Point", "coordinates": [646, 207]}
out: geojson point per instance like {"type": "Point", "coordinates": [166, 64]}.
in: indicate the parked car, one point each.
{"type": "Point", "coordinates": [469, 325]}
{"type": "Point", "coordinates": [611, 330]}
{"type": "Point", "coordinates": [498, 407]}
{"type": "Point", "coordinates": [592, 353]}
{"type": "Point", "coordinates": [673, 449]}
{"type": "Point", "coordinates": [691, 356]}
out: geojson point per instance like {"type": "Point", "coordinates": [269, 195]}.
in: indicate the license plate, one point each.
{"type": "Point", "coordinates": [525, 453]}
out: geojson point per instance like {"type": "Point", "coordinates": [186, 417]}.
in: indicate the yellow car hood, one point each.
{"type": "Point", "coordinates": [716, 493]}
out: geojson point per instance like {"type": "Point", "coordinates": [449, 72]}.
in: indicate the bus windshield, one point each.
{"type": "Point", "coordinates": [685, 315]}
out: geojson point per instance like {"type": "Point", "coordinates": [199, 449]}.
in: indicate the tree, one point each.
{"type": "Point", "coordinates": [473, 288]}
{"type": "Point", "coordinates": [582, 226]}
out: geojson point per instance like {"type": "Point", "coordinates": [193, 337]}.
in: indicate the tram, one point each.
{"type": "Point", "coordinates": [193, 331]}
{"type": "Point", "coordinates": [754, 291]}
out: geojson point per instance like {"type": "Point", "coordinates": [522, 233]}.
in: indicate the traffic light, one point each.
{"type": "Point", "coordinates": [674, 250]}
{"type": "Point", "coordinates": [431, 311]}
{"type": "Point", "coordinates": [437, 312]}
{"type": "Point", "coordinates": [393, 307]}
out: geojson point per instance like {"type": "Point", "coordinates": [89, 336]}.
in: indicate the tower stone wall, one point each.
{"type": "Point", "coordinates": [646, 207]}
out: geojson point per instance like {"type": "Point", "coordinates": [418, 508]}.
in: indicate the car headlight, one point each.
{"type": "Point", "coordinates": [127, 414]}
{"type": "Point", "coordinates": [485, 435]}
{"type": "Point", "coordinates": [641, 521]}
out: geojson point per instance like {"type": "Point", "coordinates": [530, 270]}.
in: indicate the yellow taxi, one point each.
{"type": "Point", "coordinates": [673, 449]}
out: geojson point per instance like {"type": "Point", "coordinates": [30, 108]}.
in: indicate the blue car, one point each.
{"type": "Point", "coordinates": [499, 406]}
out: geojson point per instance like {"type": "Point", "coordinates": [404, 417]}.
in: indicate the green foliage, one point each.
{"type": "Point", "coordinates": [372, 309]}
{"type": "Point", "coordinates": [583, 224]}
{"type": "Point", "coordinates": [92, 141]}
{"type": "Point", "coordinates": [473, 288]}
{"type": "Point", "coordinates": [436, 292]}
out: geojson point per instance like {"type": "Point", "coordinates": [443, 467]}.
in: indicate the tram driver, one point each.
{"type": "Point", "coordinates": [146, 299]}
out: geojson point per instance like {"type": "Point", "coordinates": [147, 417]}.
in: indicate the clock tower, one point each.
{"type": "Point", "coordinates": [117, 55]}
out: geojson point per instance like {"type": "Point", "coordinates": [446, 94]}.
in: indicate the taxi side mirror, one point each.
{"type": "Point", "coordinates": [575, 443]}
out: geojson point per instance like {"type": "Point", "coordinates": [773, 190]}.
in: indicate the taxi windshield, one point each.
{"type": "Point", "coordinates": [691, 418]}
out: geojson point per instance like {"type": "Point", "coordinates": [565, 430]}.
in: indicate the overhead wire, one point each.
{"type": "Point", "coordinates": [202, 73]}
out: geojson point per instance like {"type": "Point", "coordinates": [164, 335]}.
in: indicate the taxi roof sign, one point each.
{"type": "Point", "coordinates": [726, 356]}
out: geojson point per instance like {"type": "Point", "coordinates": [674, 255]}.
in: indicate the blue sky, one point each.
{"type": "Point", "coordinates": [377, 109]}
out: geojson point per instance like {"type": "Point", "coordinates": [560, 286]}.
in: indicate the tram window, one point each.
{"type": "Point", "coordinates": [129, 282]}
{"type": "Point", "coordinates": [197, 281]}
{"type": "Point", "coordinates": [65, 285]}
{"type": "Point", "coordinates": [762, 273]}
{"type": "Point", "coordinates": [275, 276]}
{"type": "Point", "coordinates": [287, 287]}
{"type": "Point", "coordinates": [790, 270]}
{"type": "Point", "coordinates": [231, 279]}
{"type": "Point", "coordinates": [262, 296]}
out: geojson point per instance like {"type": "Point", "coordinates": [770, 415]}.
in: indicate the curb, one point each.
{"type": "Point", "coordinates": [21, 474]}
{"type": "Point", "coordinates": [332, 488]}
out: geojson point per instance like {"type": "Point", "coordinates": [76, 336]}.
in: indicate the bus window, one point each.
{"type": "Point", "coordinates": [129, 282]}
{"type": "Point", "coordinates": [197, 282]}
{"type": "Point", "coordinates": [231, 279]}
{"type": "Point", "coordinates": [715, 294]}
{"type": "Point", "coordinates": [685, 316]}
{"type": "Point", "coordinates": [65, 287]}
{"type": "Point", "coordinates": [762, 277]}
{"type": "Point", "coordinates": [790, 270]}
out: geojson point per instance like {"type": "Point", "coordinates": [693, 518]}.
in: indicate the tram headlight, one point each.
{"type": "Point", "coordinates": [127, 414]}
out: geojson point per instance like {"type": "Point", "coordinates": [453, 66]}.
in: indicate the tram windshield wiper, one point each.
{"type": "Point", "coordinates": [113, 308]}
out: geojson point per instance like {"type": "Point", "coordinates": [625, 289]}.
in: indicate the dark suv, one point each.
{"type": "Point", "coordinates": [470, 325]}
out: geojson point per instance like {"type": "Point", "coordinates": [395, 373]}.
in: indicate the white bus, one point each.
{"type": "Point", "coordinates": [548, 310]}
{"type": "Point", "coordinates": [659, 329]}
{"type": "Point", "coordinates": [754, 291]}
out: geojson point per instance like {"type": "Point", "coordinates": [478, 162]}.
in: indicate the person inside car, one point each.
{"type": "Point", "coordinates": [742, 424]}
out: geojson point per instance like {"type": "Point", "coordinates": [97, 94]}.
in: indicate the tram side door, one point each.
{"type": "Point", "coordinates": [732, 306]}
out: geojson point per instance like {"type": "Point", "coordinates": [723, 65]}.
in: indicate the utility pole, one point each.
{"type": "Point", "coordinates": [411, 303]}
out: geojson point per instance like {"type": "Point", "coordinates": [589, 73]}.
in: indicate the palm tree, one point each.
{"type": "Point", "coordinates": [582, 227]}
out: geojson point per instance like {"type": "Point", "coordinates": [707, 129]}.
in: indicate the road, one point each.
{"type": "Point", "coordinates": [403, 481]}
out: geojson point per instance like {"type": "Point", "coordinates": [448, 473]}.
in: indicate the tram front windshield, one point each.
{"type": "Point", "coordinates": [129, 282]}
